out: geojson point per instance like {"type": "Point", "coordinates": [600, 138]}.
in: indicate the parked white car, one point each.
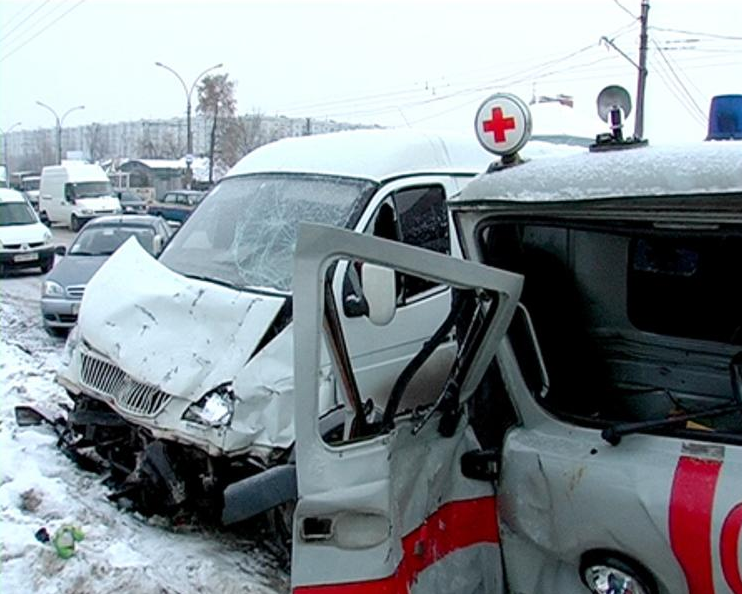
{"type": "Point", "coordinates": [24, 241]}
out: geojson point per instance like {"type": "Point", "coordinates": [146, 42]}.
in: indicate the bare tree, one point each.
{"type": "Point", "coordinates": [242, 135]}
{"type": "Point", "coordinates": [98, 148]}
{"type": "Point", "coordinates": [216, 100]}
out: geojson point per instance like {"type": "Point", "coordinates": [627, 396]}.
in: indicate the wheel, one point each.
{"type": "Point", "coordinates": [74, 223]}
{"type": "Point", "coordinates": [47, 265]}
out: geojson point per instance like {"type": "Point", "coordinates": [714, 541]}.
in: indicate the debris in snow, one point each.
{"type": "Point", "coordinates": [64, 540]}
{"type": "Point", "coordinates": [30, 500]}
{"type": "Point", "coordinates": [122, 552]}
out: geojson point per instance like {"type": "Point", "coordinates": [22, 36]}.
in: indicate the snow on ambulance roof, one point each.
{"type": "Point", "coordinates": [703, 168]}
{"type": "Point", "coordinates": [369, 154]}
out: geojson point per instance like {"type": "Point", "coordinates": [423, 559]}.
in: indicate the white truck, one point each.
{"type": "Point", "coordinates": [589, 436]}
{"type": "Point", "coordinates": [75, 192]}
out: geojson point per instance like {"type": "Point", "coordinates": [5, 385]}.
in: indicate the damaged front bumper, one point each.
{"type": "Point", "coordinates": [159, 461]}
{"type": "Point", "coordinates": [164, 416]}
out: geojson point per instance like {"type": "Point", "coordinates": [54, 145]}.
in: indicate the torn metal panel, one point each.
{"type": "Point", "coordinates": [184, 336]}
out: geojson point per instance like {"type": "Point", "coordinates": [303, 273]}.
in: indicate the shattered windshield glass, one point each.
{"type": "Point", "coordinates": [244, 232]}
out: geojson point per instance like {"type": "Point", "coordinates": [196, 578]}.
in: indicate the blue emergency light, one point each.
{"type": "Point", "coordinates": [725, 118]}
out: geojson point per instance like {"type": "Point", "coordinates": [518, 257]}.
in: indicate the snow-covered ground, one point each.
{"type": "Point", "coordinates": [40, 487]}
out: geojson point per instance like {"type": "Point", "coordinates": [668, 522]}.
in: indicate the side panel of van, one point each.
{"type": "Point", "coordinates": [51, 194]}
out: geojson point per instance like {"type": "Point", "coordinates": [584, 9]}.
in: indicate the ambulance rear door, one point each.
{"type": "Point", "coordinates": [384, 504]}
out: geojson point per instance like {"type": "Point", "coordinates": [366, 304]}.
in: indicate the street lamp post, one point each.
{"type": "Point", "coordinates": [5, 152]}
{"type": "Point", "coordinates": [60, 121]}
{"type": "Point", "coordinates": [188, 93]}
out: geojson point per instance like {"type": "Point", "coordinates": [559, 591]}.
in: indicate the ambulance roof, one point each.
{"type": "Point", "coordinates": [703, 168]}
{"type": "Point", "coordinates": [370, 154]}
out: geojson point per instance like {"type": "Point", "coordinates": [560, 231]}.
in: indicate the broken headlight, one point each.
{"type": "Point", "coordinates": [215, 409]}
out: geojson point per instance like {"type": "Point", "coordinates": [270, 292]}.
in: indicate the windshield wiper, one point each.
{"type": "Point", "coordinates": [614, 434]}
{"type": "Point", "coordinates": [216, 281]}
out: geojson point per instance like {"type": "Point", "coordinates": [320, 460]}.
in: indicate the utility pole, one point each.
{"type": "Point", "coordinates": [642, 79]}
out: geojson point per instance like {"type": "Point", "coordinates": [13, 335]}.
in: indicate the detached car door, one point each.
{"type": "Point", "coordinates": [384, 505]}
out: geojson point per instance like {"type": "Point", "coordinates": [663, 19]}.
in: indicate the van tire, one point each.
{"type": "Point", "coordinates": [74, 223]}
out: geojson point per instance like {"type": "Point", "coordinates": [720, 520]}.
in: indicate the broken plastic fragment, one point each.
{"type": "Point", "coordinates": [64, 540]}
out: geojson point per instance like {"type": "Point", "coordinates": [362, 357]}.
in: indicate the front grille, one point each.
{"type": "Point", "coordinates": [75, 291]}
{"type": "Point", "coordinates": [129, 394]}
{"type": "Point", "coordinates": [18, 246]}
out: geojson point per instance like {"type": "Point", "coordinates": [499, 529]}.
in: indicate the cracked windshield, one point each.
{"type": "Point", "coordinates": [244, 233]}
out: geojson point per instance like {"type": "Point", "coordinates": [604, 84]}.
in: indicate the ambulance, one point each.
{"type": "Point", "coordinates": [589, 435]}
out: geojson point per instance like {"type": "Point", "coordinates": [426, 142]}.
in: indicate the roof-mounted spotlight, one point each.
{"type": "Point", "coordinates": [614, 106]}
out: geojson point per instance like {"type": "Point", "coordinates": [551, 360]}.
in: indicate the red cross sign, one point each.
{"type": "Point", "coordinates": [498, 125]}
{"type": "Point", "coordinates": [503, 124]}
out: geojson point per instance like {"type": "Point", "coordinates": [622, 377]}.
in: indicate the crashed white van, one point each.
{"type": "Point", "coordinates": [181, 367]}
{"type": "Point", "coordinates": [589, 436]}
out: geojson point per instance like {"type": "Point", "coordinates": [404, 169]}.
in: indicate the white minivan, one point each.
{"type": "Point", "coordinates": [24, 241]}
{"type": "Point", "coordinates": [73, 193]}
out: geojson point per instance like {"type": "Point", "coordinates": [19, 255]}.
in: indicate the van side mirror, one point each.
{"type": "Point", "coordinates": [380, 291]}
{"type": "Point", "coordinates": [60, 250]}
{"type": "Point", "coordinates": [157, 244]}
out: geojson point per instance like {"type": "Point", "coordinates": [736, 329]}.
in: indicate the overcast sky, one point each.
{"type": "Point", "coordinates": [426, 63]}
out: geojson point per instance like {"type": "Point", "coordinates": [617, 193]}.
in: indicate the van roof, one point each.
{"type": "Point", "coordinates": [690, 170]}
{"type": "Point", "coordinates": [370, 154]}
{"type": "Point", "coordinates": [78, 171]}
{"type": "Point", "coordinates": [8, 195]}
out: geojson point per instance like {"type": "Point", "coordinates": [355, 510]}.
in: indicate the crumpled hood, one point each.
{"type": "Point", "coordinates": [183, 335]}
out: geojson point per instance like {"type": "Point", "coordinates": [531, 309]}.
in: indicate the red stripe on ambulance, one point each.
{"type": "Point", "coordinates": [456, 525]}
{"type": "Point", "coordinates": [729, 549]}
{"type": "Point", "coordinates": [691, 506]}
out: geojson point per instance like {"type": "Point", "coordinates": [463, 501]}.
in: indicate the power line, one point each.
{"type": "Point", "coordinates": [676, 91]}
{"type": "Point", "coordinates": [26, 6]}
{"type": "Point", "coordinates": [30, 39]}
{"type": "Point", "coordinates": [714, 35]}
{"type": "Point", "coordinates": [24, 21]}
{"type": "Point", "coordinates": [680, 82]}
{"type": "Point", "coordinates": [626, 10]}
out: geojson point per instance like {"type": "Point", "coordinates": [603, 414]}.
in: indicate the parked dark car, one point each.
{"type": "Point", "coordinates": [64, 286]}
{"type": "Point", "coordinates": [131, 203]}
{"type": "Point", "coordinates": [176, 205]}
